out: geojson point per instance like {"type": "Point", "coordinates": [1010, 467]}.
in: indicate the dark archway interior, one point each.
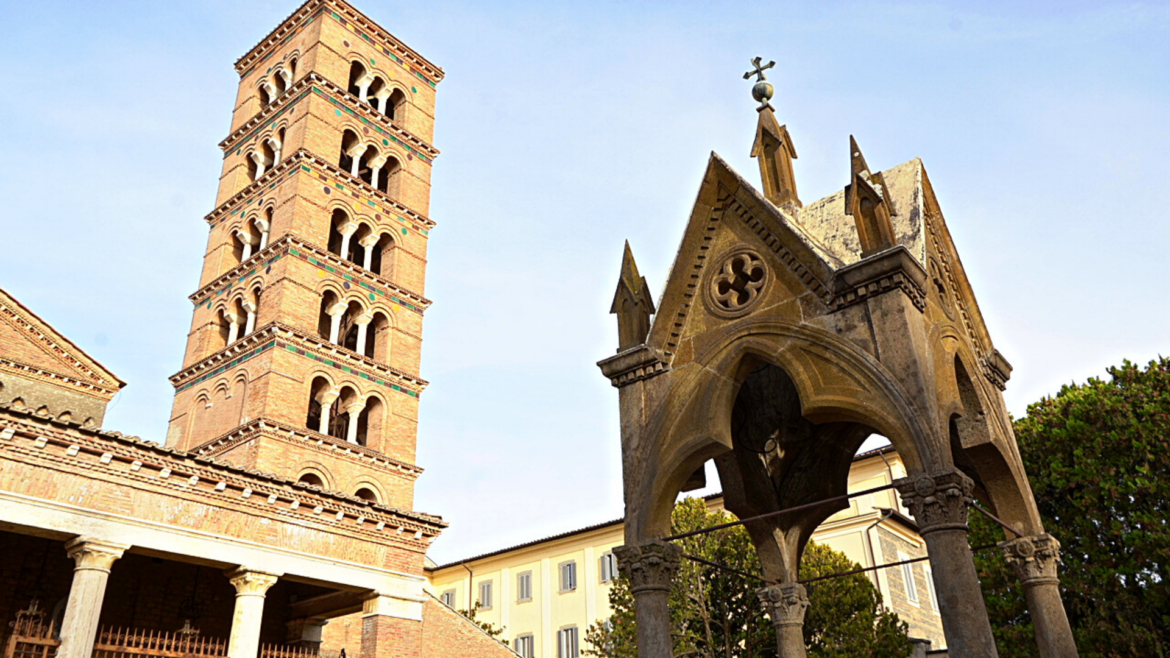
{"type": "Point", "coordinates": [779, 459]}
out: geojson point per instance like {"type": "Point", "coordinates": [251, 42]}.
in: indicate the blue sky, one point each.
{"type": "Point", "coordinates": [568, 128]}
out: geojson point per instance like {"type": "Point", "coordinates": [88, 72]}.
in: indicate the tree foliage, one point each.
{"type": "Point", "coordinates": [1098, 457]}
{"type": "Point", "coordinates": [716, 614]}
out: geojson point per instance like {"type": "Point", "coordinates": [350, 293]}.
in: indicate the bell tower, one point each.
{"type": "Point", "coordinates": [303, 354]}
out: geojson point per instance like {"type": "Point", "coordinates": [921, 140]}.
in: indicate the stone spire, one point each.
{"type": "Point", "coordinates": [632, 303]}
{"type": "Point", "coordinates": [868, 201]}
{"type": "Point", "coordinates": [773, 146]}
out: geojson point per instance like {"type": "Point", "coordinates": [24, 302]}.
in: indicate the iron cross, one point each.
{"type": "Point", "coordinates": [759, 70]}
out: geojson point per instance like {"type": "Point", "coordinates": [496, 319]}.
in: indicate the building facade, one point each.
{"type": "Point", "coordinates": [282, 499]}
{"type": "Point", "coordinates": [546, 593]}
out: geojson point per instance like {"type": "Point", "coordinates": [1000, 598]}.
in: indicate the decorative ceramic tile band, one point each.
{"type": "Point", "coordinates": [296, 350]}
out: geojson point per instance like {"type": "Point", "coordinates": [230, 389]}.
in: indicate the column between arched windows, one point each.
{"type": "Point", "coordinates": [336, 313]}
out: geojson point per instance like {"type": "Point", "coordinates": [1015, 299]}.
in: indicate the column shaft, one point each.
{"type": "Point", "coordinates": [785, 605]}
{"type": "Point", "coordinates": [324, 428]}
{"type": "Point", "coordinates": [93, 560]}
{"type": "Point", "coordinates": [651, 568]}
{"type": "Point", "coordinates": [1034, 560]}
{"type": "Point", "coordinates": [352, 431]}
{"type": "Point", "coordinates": [251, 586]}
{"type": "Point", "coordinates": [334, 328]}
{"type": "Point", "coordinates": [939, 504]}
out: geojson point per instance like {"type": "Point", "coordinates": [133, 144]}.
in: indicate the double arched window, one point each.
{"type": "Point", "coordinates": [237, 318]}
{"type": "Point", "coordinates": [252, 237]}
{"type": "Point", "coordinates": [272, 88]}
{"type": "Point", "coordinates": [265, 154]}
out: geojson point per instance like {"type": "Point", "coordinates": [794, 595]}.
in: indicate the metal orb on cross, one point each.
{"type": "Point", "coordinates": [761, 91]}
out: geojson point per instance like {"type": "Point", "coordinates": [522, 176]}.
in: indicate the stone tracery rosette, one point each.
{"type": "Point", "coordinates": [650, 566]}
{"type": "Point", "coordinates": [737, 284]}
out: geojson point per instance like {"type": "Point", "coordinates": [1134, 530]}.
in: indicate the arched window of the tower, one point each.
{"type": "Point", "coordinates": [381, 256]}
{"type": "Point", "coordinates": [224, 329]}
{"type": "Point", "coordinates": [239, 320]}
{"type": "Point", "coordinates": [357, 245]}
{"type": "Point", "coordinates": [342, 241]}
{"type": "Point", "coordinates": [252, 308]}
{"type": "Point", "coordinates": [281, 80]}
{"type": "Point", "coordinates": [368, 163]}
{"type": "Point", "coordinates": [377, 343]}
{"type": "Point", "coordinates": [292, 69]}
{"type": "Point", "coordinates": [329, 308]}
{"type": "Point", "coordinates": [390, 179]}
{"type": "Point", "coordinates": [321, 411]}
{"type": "Point", "coordinates": [366, 494]}
{"type": "Point", "coordinates": [312, 479]}
{"type": "Point", "coordinates": [353, 326]}
{"type": "Point", "coordinates": [349, 407]}
{"type": "Point", "coordinates": [352, 148]}
{"type": "Point", "coordinates": [265, 94]}
{"type": "Point", "coordinates": [377, 93]}
{"type": "Point", "coordinates": [395, 108]}
{"type": "Point", "coordinates": [357, 72]}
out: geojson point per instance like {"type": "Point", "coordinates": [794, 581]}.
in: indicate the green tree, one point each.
{"type": "Point", "coordinates": [1098, 456]}
{"type": "Point", "coordinates": [715, 613]}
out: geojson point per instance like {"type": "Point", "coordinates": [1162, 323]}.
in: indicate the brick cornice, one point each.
{"type": "Point", "coordinates": [103, 393]}
{"type": "Point", "coordinates": [266, 427]}
{"type": "Point", "coordinates": [407, 383]}
{"type": "Point", "coordinates": [305, 158]}
{"type": "Point", "coordinates": [306, 84]}
{"type": "Point", "coordinates": [23, 436]}
{"type": "Point", "coordinates": [310, 10]}
{"type": "Point", "coordinates": [281, 247]}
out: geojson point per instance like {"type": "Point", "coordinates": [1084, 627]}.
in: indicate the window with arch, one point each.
{"type": "Point", "coordinates": [312, 479]}
{"type": "Point", "coordinates": [321, 412]}
{"type": "Point", "coordinates": [357, 76]}
{"type": "Point", "coordinates": [382, 256]}
{"type": "Point", "coordinates": [395, 106]}
{"type": "Point", "coordinates": [265, 94]}
{"type": "Point", "coordinates": [367, 494]}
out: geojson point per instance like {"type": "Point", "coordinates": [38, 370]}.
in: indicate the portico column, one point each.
{"type": "Point", "coordinates": [650, 568]}
{"type": "Point", "coordinates": [1034, 560]}
{"type": "Point", "coordinates": [368, 243]}
{"type": "Point", "coordinates": [939, 504]}
{"type": "Point", "coordinates": [354, 411]}
{"type": "Point", "coordinates": [785, 605]}
{"type": "Point", "coordinates": [93, 559]}
{"type": "Point", "coordinates": [251, 586]}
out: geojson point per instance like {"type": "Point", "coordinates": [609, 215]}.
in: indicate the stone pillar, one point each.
{"type": "Point", "coordinates": [306, 632]}
{"type": "Point", "coordinates": [250, 323]}
{"type": "Point", "coordinates": [233, 327]}
{"type": "Point", "coordinates": [364, 88]}
{"type": "Point", "coordinates": [258, 158]}
{"type": "Point", "coordinates": [1034, 560]}
{"type": "Point", "coordinates": [939, 504]}
{"type": "Point", "coordinates": [92, 561]}
{"type": "Point", "coordinates": [347, 230]}
{"type": "Point", "coordinates": [265, 228]}
{"type": "Point", "coordinates": [368, 243]}
{"type": "Point", "coordinates": [276, 145]}
{"type": "Point", "coordinates": [785, 605]}
{"type": "Point", "coordinates": [382, 99]}
{"type": "Point", "coordinates": [336, 312]}
{"type": "Point", "coordinates": [355, 411]}
{"type": "Point", "coordinates": [251, 586]}
{"type": "Point", "coordinates": [363, 325]}
{"type": "Point", "coordinates": [375, 169]}
{"type": "Point", "coordinates": [651, 568]}
{"type": "Point", "coordinates": [326, 401]}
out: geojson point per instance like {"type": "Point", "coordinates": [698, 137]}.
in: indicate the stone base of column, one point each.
{"type": "Point", "coordinates": [391, 637]}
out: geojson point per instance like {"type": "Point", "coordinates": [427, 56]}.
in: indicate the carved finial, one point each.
{"type": "Point", "coordinates": [774, 150]}
{"type": "Point", "coordinates": [761, 91]}
{"type": "Point", "coordinates": [632, 303]}
{"type": "Point", "coordinates": [867, 200]}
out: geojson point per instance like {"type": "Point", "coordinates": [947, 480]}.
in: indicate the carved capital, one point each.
{"type": "Point", "coordinates": [1034, 558]}
{"type": "Point", "coordinates": [250, 582]}
{"type": "Point", "coordinates": [94, 554]}
{"type": "Point", "coordinates": [650, 567]}
{"type": "Point", "coordinates": [784, 604]}
{"type": "Point", "coordinates": [939, 501]}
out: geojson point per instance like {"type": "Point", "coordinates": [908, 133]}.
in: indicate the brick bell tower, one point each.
{"type": "Point", "coordinates": [303, 355]}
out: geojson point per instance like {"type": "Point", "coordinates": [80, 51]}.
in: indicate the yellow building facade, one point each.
{"type": "Point", "coordinates": [546, 593]}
